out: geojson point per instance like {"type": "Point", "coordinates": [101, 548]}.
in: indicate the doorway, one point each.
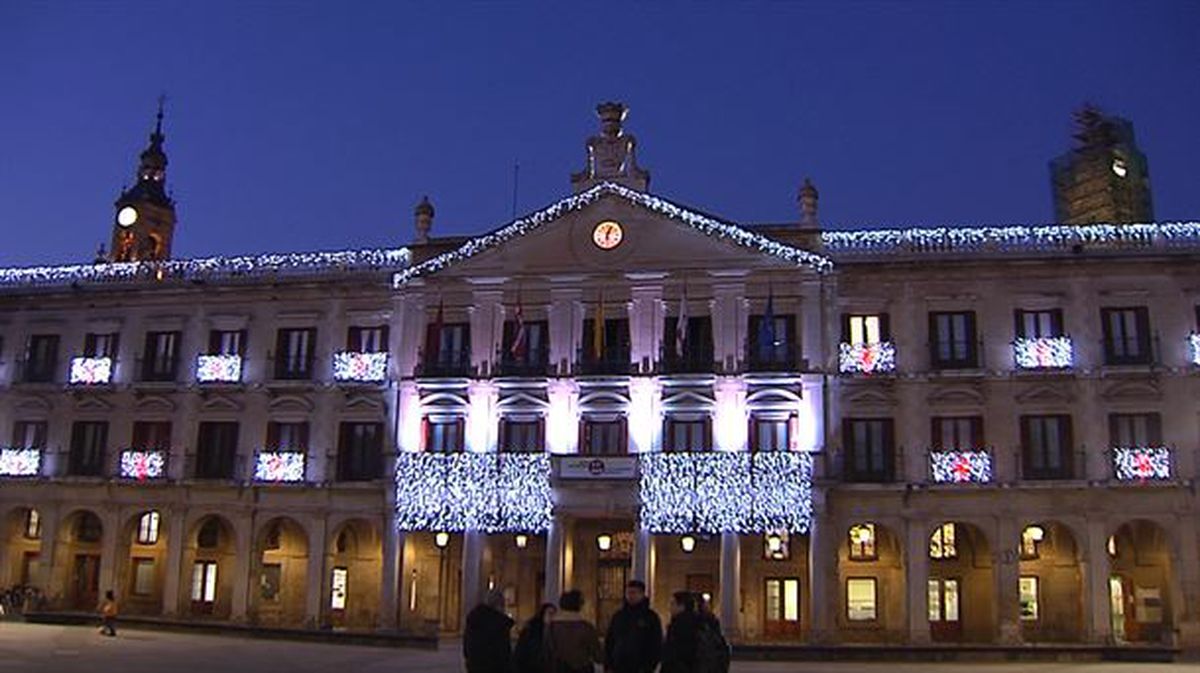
{"type": "Point", "coordinates": [1116, 602]}
{"type": "Point", "coordinates": [782, 619]}
{"type": "Point", "coordinates": [945, 622]}
{"type": "Point", "coordinates": [85, 582]}
{"type": "Point", "coordinates": [611, 575]}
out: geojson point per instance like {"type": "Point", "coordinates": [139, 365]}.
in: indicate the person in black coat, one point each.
{"type": "Point", "coordinates": [487, 644]}
{"type": "Point", "coordinates": [633, 643]}
{"type": "Point", "coordinates": [680, 648]}
{"type": "Point", "coordinates": [530, 655]}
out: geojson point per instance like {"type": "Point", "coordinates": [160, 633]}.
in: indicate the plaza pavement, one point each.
{"type": "Point", "coordinates": [30, 648]}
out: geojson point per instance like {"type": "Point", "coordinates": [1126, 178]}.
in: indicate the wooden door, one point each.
{"type": "Point", "coordinates": [611, 575]}
{"type": "Point", "coordinates": [945, 609]}
{"type": "Point", "coordinates": [782, 602]}
{"type": "Point", "coordinates": [85, 582]}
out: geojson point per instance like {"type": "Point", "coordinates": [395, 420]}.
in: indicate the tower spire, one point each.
{"type": "Point", "coordinates": [145, 221]}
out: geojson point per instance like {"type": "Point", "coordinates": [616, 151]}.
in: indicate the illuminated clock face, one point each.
{"type": "Point", "coordinates": [1118, 167]}
{"type": "Point", "coordinates": [607, 235]}
{"type": "Point", "coordinates": [127, 216]}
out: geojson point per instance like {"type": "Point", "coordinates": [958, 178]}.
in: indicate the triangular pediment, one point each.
{"type": "Point", "coordinates": [284, 403]}
{"type": "Point", "coordinates": [155, 403]}
{"type": "Point", "coordinates": [33, 404]}
{"type": "Point", "coordinates": [653, 231]}
{"type": "Point", "coordinates": [1132, 391]}
{"type": "Point", "coordinates": [363, 403]}
{"type": "Point", "coordinates": [956, 395]}
{"type": "Point", "coordinates": [92, 403]}
{"type": "Point", "coordinates": [220, 403]}
{"type": "Point", "coordinates": [1044, 394]}
{"type": "Point", "coordinates": [872, 396]}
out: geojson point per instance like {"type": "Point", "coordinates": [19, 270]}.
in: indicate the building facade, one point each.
{"type": "Point", "coordinates": [968, 435]}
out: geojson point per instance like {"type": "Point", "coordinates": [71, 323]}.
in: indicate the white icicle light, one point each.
{"type": "Point", "coordinates": [960, 467]}
{"type": "Point", "coordinates": [143, 464]}
{"type": "Point", "coordinates": [1142, 463]}
{"type": "Point", "coordinates": [20, 462]}
{"type": "Point", "coordinates": [218, 368]}
{"type": "Point", "coordinates": [1044, 353]}
{"type": "Point", "coordinates": [91, 371]}
{"type": "Point", "coordinates": [489, 492]}
{"type": "Point", "coordinates": [361, 367]}
{"type": "Point", "coordinates": [279, 466]}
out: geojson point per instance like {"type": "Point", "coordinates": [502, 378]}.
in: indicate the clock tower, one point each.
{"type": "Point", "coordinates": [144, 220]}
{"type": "Point", "coordinates": [1105, 178]}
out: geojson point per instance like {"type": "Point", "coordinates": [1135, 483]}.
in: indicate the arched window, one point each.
{"type": "Point", "coordinates": [88, 528]}
{"type": "Point", "coordinates": [209, 536]}
{"type": "Point", "coordinates": [33, 524]}
{"type": "Point", "coordinates": [147, 532]}
{"type": "Point", "coordinates": [862, 542]}
{"type": "Point", "coordinates": [942, 544]}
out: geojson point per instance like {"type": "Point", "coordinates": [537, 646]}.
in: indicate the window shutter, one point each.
{"type": "Point", "coordinates": [273, 436]}
{"type": "Point", "coordinates": [1144, 338]}
{"type": "Point", "coordinates": [845, 328]}
{"type": "Point", "coordinates": [935, 433]}
{"type": "Point", "coordinates": [1154, 429]}
{"type": "Point", "coordinates": [972, 339]}
{"type": "Point", "coordinates": [1106, 324]}
{"type": "Point", "coordinates": [354, 339]}
{"type": "Point", "coordinates": [304, 436]}
{"type": "Point", "coordinates": [885, 327]}
{"type": "Point", "coordinates": [214, 342]}
{"type": "Point", "coordinates": [1019, 324]}
{"type": "Point", "coordinates": [934, 340]}
{"type": "Point", "coordinates": [1056, 322]}
{"type": "Point", "coordinates": [1113, 432]}
{"type": "Point", "coordinates": [384, 343]}
{"type": "Point", "coordinates": [889, 447]}
{"type": "Point", "coordinates": [977, 440]}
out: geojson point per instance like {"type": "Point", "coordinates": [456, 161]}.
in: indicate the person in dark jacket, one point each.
{"type": "Point", "coordinates": [572, 644]}
{"type": "Point", "coordinates": [487, 644]}
{"type": "Point", "coordinates": [529, 657]}
{"type": "Point", "coordinates": [679, 649]}
{"type": "Point", "coordinates": [633, 643]}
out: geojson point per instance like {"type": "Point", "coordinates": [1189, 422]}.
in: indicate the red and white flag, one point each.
{"type": "Point", "coordinates": [518, 344]}
{"type": "Point", "coordinates": [681, 326]}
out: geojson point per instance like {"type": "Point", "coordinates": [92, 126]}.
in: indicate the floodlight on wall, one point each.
{"type": "Point", "coordinates": [604, 542]}
{"type": "Point", "coordinates": [522, 540]}
{"type": "Point", "coordinates": [441, 539]}
{"type": "Point", "coordinates": [774, 543]}
{"type": "Point", "coordinates": [687, 543]}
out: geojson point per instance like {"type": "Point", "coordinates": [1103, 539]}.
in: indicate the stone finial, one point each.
{"type": "Point", "coordinates": [808, 204]}
{"type": "Point", "coordinates": [612, 115]}
{"type": "Point", "coordinates": [424, 220]}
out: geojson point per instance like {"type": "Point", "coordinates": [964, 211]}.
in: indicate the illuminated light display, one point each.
{"type": "Point", "coordinates": [1142, 463]}
{"type": "Point", "coordinates": [273, 265]}
{"type": "Point", "coordinates": [91, 371]}
{"type": "Point", "coordinates": [143, 464]}
{"type": "Point", "coordinates": [703, 223]}
{"type": "Point", "coordinates": [20, 462]}
{"type": "Point", "coordinates": [364, 367]}
{"type": "Point", "coordinates": [872, 358]}
{"type": "Point", "coordinates": [960, 467]}
{"type": "Point", "coordinates": [1048, 238]}
{"type": "Point", "coordinates": [1194, 342]}
{"type": "Point", "coordinates": [489, 492]}
{"type": "Point", "coordinates": [726, 492]}
{"type": "Point", "coordinates": [218, 368]}
{"type": "Point", "coordinates": [279, 466]}
{"type": "Point", "coordinates": [1044, 353]}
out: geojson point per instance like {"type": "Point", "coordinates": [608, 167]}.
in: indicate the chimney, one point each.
{"type": "Point", "coordinates": [808, 205]}
{"type": "Point", "coordinates": [423, 221]}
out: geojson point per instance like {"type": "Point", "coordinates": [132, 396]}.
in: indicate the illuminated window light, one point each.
{"type": "Point", "coordinates": [960, 467]}
{"type": "Point", "coordinates": [1142, 463]}
{"type": "Point", "coordinates": [91, 371]}
{"type": "Point", "coordinates": [360, 367]}
{"type": "Point", "coordinates": [219, 368]}
{"type": "Point", "coordinates": [867, 358]}
{"type": "Point", "coordinates": [1044, 353]}
{"type": "Point", "coordinates": [279, 466]}
{"type": "Point", "coordinates": [20, 462]}
{"type": "Point", "coordinates": [143, 464]}
{"type": "Point", "coordinates": [1194, 342]}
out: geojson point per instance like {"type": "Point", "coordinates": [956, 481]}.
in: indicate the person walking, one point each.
{"type": "Point", "coordinates": [572, 644]}
{"type": "Point", "coordinates": [682, 642]}
{"type": "Point", "coordinates": [487, 637]}
{"type": "Point", "coordinates": [529, 657]}
{"type": "Point", "coordinates": [108, 615]}
{"type": "Point", "coordinates": [713, 653]}
{"type": "Point", "coordinates": [633, 642]}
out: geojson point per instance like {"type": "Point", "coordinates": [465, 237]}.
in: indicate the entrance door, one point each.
{"type": "Point", "coordinates": [782, 607]}
{"type": "Point", "coordinates": [945, 622]}
{"type": "Point", "coordinates": [1116, 607]}
{"type": "Point", "coordinates": [611, 576]}
{"type": "Point", "coordinates": [85, 582]}
{"type": "Point", "coordinates": [31, 569]}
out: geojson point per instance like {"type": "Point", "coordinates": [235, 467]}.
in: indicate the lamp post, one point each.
{"type": "Point", "coordinates": [688, 543]}
{"type": "Point", "coordinates": [440, 540]}
{"type": "Point", "coordinates": [604, 541]}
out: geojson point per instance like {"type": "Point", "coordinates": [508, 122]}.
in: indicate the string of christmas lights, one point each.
{"type": "Point", "coordinates": [364, 367]}
{"type": "Point", "coordinates": [1142, 463]}
{"type": "Point", "coordinates": [1014, 237]}
{"type": "Point", "coordinates": [279, 466]}
{"type": "Point", "coordinates": [1044, 353]}
{"type": "Point", "coordinates": [489, 492]}
{"type": "Point", "coordinates": [91, 371]}
{"type": "Point", "coordinates": [218, 368]}
{"type": "Point", "coordinates": [20, 462]}
{"type": "Point", "coordinates": [960, 467]}
{"type": "Point", "coordinates": [143, 464]}
{"type": "Point", "coordinates": [866, 358]}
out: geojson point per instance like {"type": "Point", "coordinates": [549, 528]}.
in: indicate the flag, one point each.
{"type": "Point", "coordinates": [518, 345]}
{"type": "Point", "coordinates": [681, 326]}
{"type": "Point", "coordinates": [598, 330]}
{"type": "Point", "coordinates": [766, 329]}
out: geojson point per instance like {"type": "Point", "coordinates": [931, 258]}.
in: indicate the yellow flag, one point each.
{"type": "Point", "coordinates": [598, 330]}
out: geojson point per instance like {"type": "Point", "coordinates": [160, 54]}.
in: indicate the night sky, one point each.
{"type": "Point", "coordinates": [304, 126]}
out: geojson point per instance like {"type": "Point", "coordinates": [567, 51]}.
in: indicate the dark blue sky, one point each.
{"type": "Point", "coordinates": [297, 126]}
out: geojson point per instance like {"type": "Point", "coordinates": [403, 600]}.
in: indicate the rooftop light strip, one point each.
{"type": "Point", "coordinates": [1014, 237]}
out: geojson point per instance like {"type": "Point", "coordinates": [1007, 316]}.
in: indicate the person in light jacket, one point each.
{"type": "Point", "coordinates": [572, 643]}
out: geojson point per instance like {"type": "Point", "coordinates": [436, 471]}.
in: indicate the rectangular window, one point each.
{"type": "Point", "coordinates": [360, 451]}
{"type": "Point", "coordinates": [860, 599]}
{"type": "Point", "coordinates": [367, 339]}
{"type": "Point", "coordinates": [444, 435]}
{"type": "Point", "coordinates": [1135, 430]}
{"type": "Point", "coordinates": [448, 349]}
{"type": "Point", "coordinates": [41, 358]}
{"type": "Point", "coordinates": [943, 600]}
{"type": "Point", "coordinates": [88, 442]}
{"type": "Point", "coordinates": [689, 350]}
{"type": "Point", "coordinates": [772, 345]}
{"type": "Point", "coordinates": [960, 433]}
{"type": "Point", "coordinates": [1030, 611]}
{"type": "Point", "coordinates": [160, 359]}
{"type": "Point", "coordinates": [100, 346]}
{"type": "Point", "coordinates": [29, 435]}
{"type": "Point", "coordinates": [526, 343]}
{"type": "Point", "coordinates": [943, 544]}
{"type": "Point", "coordinates": [522, 436]}
{"type": "Point", "coordinates": [687, 435]}
{"type": "Point", "coordinates": [204, 582]}
{"type": "Point", "coordinates": [770, 434]}
{"type": "Point", "coordinates": [227, 342]}
{"type": "Point", "coordinates": [216, 450]}
{"type": "Point", "coordinates": [143, 576]}
{"type": "Point", "coordinates": [1047, 451]}
{"type": "Point", "coordinates": [1042, 324]}
{"type": "Point", "coordinates": [869, 449]}
{"type": "Point", "coordinates": [952, 340]}
{"type": "Point", "coordinates": [604, 438]}
{"type": "Point", "coordinates": [287, 437]}
{"type": "Point", "coordinates": [862, 542]}
{"type": "Point", "coordinates": [783, 599]}
{"type": "Point", "coordinates": [152, 435]}
{"type": "Point", "coordinates": [1126, 335]}
{"type": "Point", "coordinates": [608, 354]}
{"type": "Point", "coordinates": [865, 329]}
{"type": "Point", "coordinates": [294, 349]}
{"type": "Point", "coordinates": [338, 588]}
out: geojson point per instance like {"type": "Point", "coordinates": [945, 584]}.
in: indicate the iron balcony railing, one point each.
{"type": "Point", "coordinates": [612, 362]}
{"type": "Point", "coordinates": [445, 364]}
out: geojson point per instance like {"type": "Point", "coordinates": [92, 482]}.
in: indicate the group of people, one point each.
{"type": "Point", "coordinates": [16, 600]}
{"type": "Point", "coordinates": [558, 639]}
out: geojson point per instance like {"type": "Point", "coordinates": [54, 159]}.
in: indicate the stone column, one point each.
{"type": "Point", "coordinates": [555, 566]}
{"type": "Point", "coordinates": [176, 532]}
{"type": "Point", "coordinates": [643, 558]}
{"type": "Point", "coordinates": [389, 576]}
{"type": "Point", "coordinates": [1006, 573]}
{"type": "Point", "coordinates": [1185, 592]}
{"type": "Point", "coordinates": [50, 526]}
{"type": "Point", "coordinates": [314, 595]}
{"type": "Point", "coordinates": [822, 574]}
{"type": "Point", "coordinates": [472, 571]}
{"type": "Point", "coordinates": [239, 602]}
{"type": "Point", "coordinates": [1095, 590]}
{"type": "Point", "coordinates": [731, 584]}
{"type": "Point", "coordinates": [108, 553]}
{"type": "Point", "coordinates": [916, 578]}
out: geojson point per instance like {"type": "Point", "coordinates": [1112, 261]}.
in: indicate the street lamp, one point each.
{"type": "Point", "coordinates": [522, 540]}
{"type": "Point", "coordinates": [604, 541]}
{"type": "Point", "coordinates": [774, 543]}
{"type": "Point", "coordinates": [441, 539]}
{"type": "Point", "coordinates": [688, 543]}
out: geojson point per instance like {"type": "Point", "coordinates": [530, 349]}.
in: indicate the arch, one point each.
{"type": "Point", "coordinates": [279, 572]}
{"type": "Point", "coordinates": [870, 570]}
{"type": "Point", "coordinates": [141, 561]}
{"type": "Point", "coordinates": [1050, 580]}
{"type": "Point", "coordinates": [76, 585]}
{"type": "Point", "coordinates": [207, 572]}
{"type": "Point", "coordinates": [1142, 582]}
{"type": "Point", "coordinates": [353, 575]}
{"type": "Point", "coordinates": [22, 537]}
{"type": "Point", "coordinates": [960, 590]}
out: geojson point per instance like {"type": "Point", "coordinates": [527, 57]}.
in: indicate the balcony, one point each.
{"type": "Point", "coordinates": [355, 367]}
{"type": "Point", "coordinates": [867, 358]}
{"type": "Point", "coordinates": [20, 462]}
{"type": "Point", "coordinates": [279, 467]}
{"type": "Point", "coordinates": [1133, 352]}
{"type": "Point", "coordinates": [218, 369]}
{"type": "Point", "coordinates": [91, 371]}
{"type": "Point", "coordinates": [143, 464]}
{"type": "Point", "coordinates": [954, 466]}
{"type": "Point", "coordinates": [697, 360]}
{"type": "Point", "coordinates": [1044, 353]}
{"type": "Point", "coordinates": [293, 366]}
{"type": "Point", "coordinates": [1142, 463]}
{"type": "Point", "coordinates": [36, 371]}
{"type": "Point", "coordinates": [446, 364]}
{"type": "Point", "coordinates": [157, 369]}
{"type": "Point", "coordinates": [777, 357]}
{"type": "Point", "coordinates": [614, 362]}
{"type": "Point", "coordinates": [1052, 467]}
{"type": "Point", "coordinates": [533, 362]}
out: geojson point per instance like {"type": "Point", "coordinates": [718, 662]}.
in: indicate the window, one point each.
{"type": "Point", "coordinates": [862, 330]}
{"type": "Point", "coordinates": [770, 434]}
{"type": "Point", "coordinates": [1029, 598]}
{"type": "Point", "coordinates": [943, 544]}
{"type": "Point", "coordinates": [88, 528]}
{"type": "Point", "coordinates": [943, 600]}
{"type": "Point", "coordinates": [143, 576]}
{"type": "Point", "coordinates": [88, 441]}
{"type": "Point", "coordinates": [607, 353]}
{"type": "Point", "coordinates": [29, 435]}
{"type": "Point", "coordinates": [216, 450]}
{"type": "Point", "coordinates": [860, 599]}
{"type": "Point", "coordinates": [1135, 430]}
{"type": "Point", "coordinates": [287, 436]}
{"type": "Point", "coordinates": [444, 435]}
{"type": "Point", "coordinates": [1046, 447]}
{"type": "Point", "coordinates": [100, 346]}
{"type": "Point", "coordinates": [960, 433]}
{"type": "Point", "coordinates": [604, 438]}
{"type": "Point", "coordinates": [783, 599]}
{"type": "Point", "coordinates": [204, 582]}
{"type": "Point", "coordinates": [952, 340]}
{"type": "Point", "coordinates": [525, 343]}
{"type": "Point", "coordinates": [152, 435]}
{"type": "Point", "coordinates": [869, 449]}
{"type": "Point", "coordinates": [1031, 541]}
{"type": "Point", "coordinates": [777, 546]}
{"type": "Point", "coordinates": [209, 536]}
{"type": "Point", "coordinates": [1042, 324]}
{"type": "Point", "coordinates": [147, 532]}
{"type": "Point", "coordinates": [161, 356]}
{"type": "Point", "coordinates": [687, 434]}
{"type": "Point", "coordinates": [41, 358]}
{"type": "Point", "coordinates": [689, 350]}
{"type": "Point", "coordinates": [367, 339]}
{"type": "Point", "coordinates": [33, 525]}
{"type": "Point", "coordinates": [227, 342]}
{"type": "Point", "coordinates": [360, 451]}
{"type": "Point", "coordinates": [338, 589]}
{"type": "Point", "coordinates": [1126, 335]}
{"type": "Point", "coordinates": [772, 343]}
{"type": "Point", "coordinates": [294, 353]}
{"type": "Point", "coordinates": [862, 542]}
{"type": "Point", "coordinates": [522, 436]}
{"type": "Point", "coordinates": [448, 348]}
